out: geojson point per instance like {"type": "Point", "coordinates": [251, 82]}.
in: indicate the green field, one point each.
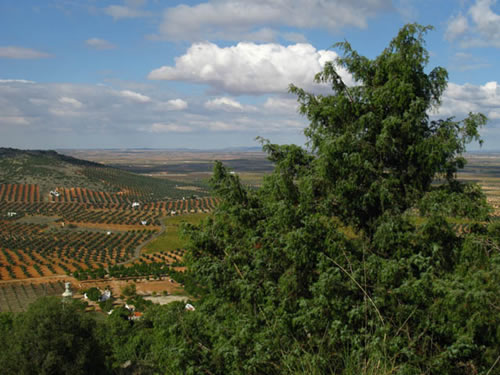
{"type": "Point", "coordinates": [171, 239]}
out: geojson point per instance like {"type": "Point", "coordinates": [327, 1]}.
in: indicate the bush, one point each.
{"type": "Point", "coordinates": [93, 294]}
{"type": "Point", "coordinates": [129, 290]}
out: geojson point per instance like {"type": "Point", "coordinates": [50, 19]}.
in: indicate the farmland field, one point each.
{"type": "Point", "coordinates": [68, 233]}
{"type": "Point", "coordinates": [484, 169]}
{"type": "Point", "coordinates": [120, 225]}
{"type": "Point", "coordinates": [14, 297]}
{"type": "Point", "coordinates": [171, 239]}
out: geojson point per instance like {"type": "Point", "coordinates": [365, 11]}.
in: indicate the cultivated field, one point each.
{"type": "Point", "coordinates": [78, 230]}
{"type": "Point", "coordinates": [484, 169]}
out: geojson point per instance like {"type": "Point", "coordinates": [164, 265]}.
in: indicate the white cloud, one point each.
{"type": "Point", "coordinates": [119, 12]}
{"type": "Point", "coordinates": [71, 101]}
{"type": "Point", "coordinates": [99, 44]}
{"type": "Point", "coordinates": [223, 126]}
{"type": "Point", "coordinates": [107, 118]}
{"type": "Point", "coordinates": [249, 67]}
{"type": "Point", "coordinates": [459, 100]}
{"type": "Point", "coordinates": [135, 96]}
{"type": "Point", "coordinates": [457, 26]}
{"type": "Point", "coordinates": [238, 19]}
{"type": "Point", "coordinates": [168, 128]}
{"type": "Point", "coordinates": [487, 22]}
{"type": "Point", "coordinates": [13, 52]}
{"type": "Point", "coordinates": [171, 105]}
{"type": "Point", "coordinates": [478, 27]}
{"type": "Point", "coordinates": [16, 81]}
{"type": "Point", "coordinates": [281, 105]}
{"type": "Point", "coordinates": [227, 104]}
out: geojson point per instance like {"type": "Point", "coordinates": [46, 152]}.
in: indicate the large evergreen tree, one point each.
{"type": "Point", "coordinates": [321, 270]}
{"type": "Point", "coordinates": [376, 148]}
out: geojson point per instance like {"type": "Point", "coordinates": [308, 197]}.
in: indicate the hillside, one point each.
{"type": "Point", "coordinates": [60, 215]}
{"type": "Point", "coordinates": [52, 171]}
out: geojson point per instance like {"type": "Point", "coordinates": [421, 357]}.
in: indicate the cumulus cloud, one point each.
{"type": "Point", "coordinates": [479, 27]}
{"type": "Point", "coordinates": [99, 44]}
{"type": "Point", "coordinates": [71, 101]}
{"type": "Point", "coordinates": [487, 22]}
{"type": "Point", "coordinates": [172, 105]}
{"type": "Point", "coordinates": [13, 52]}
{"type": "Point", "coordinates": [456, 26]}
{"type": "Point", "coordinates": [227, 104]}
{"type": "Point", "coordinates": [237, 19]}
{"type": "Point", "coordinates": [135, 96]}
{"type": "Point", "coordinates": [248, 67]}
{"type": "Point", "coordinates": [459, 100]}
{"type": "Point", "coordinates": [81, 115]}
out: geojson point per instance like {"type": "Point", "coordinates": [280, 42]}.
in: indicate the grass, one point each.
{"type": "Point", "coordinates": [171, 239]}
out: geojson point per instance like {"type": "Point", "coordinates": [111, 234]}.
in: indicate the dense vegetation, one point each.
{"type": "Point", "coordinates": [324, 270]}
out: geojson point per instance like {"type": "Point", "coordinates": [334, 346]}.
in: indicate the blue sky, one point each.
{"type": "Point", "coordinates": [214, 74]}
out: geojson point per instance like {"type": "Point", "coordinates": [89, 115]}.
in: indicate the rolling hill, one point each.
{"type": "Point", "coordinates": [51, 171]}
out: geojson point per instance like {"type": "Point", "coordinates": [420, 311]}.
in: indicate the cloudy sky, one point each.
{"type": "Point", "coordinates": [214, 74]}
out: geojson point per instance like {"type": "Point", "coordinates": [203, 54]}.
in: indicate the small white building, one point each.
{"type": "Point", "coordinates": [144, 222]}
{"type": "Point", "coordinates": [106, 295]}
{"type": "Point", "coordinates": [54, 193]}
{"type": "Point", "coordinates": [11, 214]}
{"type": "Point", "coordinates": [135, 204]}
{"type": "Point", "coordinates": [67, 292]}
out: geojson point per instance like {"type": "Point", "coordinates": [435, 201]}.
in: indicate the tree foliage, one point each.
{"type": "Point", "coordinates": [325, 269]}
{"type": "Point", "coordinates": [377, 148]}
{"type": "Point", "coordinates": [52, 337]}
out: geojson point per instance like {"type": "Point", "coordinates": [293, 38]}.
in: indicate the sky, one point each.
{"type": "Point", "coordinates": [215, 74]}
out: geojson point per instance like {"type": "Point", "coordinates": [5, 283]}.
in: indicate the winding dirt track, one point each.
{"type": "Point", "coordinates": [137, 251]}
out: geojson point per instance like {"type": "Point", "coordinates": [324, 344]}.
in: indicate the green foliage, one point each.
{"type": "Point", "coordinates": [456, 200]}
{"type": "Point", "coordinates": [376, 147]}
{"type": "Point", "coordinates": [129, 290]}
{"type": "Point", "coordinates": [171, 239]}
{"type": "Point", "coordinates": [52, 337]}
{"type": "Point", "coordinates": [93, 294]}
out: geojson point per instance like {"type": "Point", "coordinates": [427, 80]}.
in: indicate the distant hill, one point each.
{"type": "Point", "coordinates": [50, 170]}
